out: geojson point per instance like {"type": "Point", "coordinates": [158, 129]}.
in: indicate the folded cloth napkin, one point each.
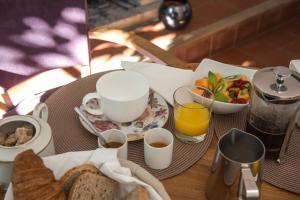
{"type": "Point", "coordinates": [295, 65]}
{"type": "Point", "coordinates": [105, 159]}
{"type": "Point", "coordinates": [163, 79]}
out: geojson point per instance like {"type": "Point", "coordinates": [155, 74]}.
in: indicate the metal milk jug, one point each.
{"type": "Point", "coordinates": [237, 167]}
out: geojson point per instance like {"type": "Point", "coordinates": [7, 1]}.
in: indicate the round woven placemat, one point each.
{"type": "Point", "coordinates": [69, 134]}
{"type": "Point", "coordinates": [285, 176]}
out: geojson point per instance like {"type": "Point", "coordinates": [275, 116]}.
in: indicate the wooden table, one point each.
{"type": "Point", "coordinates": [191, 184]}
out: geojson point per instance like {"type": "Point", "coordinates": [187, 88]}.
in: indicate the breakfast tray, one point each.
{"type": "Point", "coordinates": [70, 135]}
{"type": "Point", "coordinates": [285, 176]}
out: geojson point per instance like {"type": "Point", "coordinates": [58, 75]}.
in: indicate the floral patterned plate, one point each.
{"type": "Point", "coordinates": [156, 115]}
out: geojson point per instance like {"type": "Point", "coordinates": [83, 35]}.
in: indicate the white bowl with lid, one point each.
{"type": "Point", "coordinates": [41, 142]}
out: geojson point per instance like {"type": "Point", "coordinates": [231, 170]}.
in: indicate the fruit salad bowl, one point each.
{"type": "Point", "coordinates": [230, 84]}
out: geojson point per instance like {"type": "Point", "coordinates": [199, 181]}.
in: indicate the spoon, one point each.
{"type": "Point", "coordinates": [90, 125]}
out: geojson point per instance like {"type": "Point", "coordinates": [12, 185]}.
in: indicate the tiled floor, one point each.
{"type": "Point", "coordinates": [205, 12]}
{"type": "Point", "coordinates": [272, 48]}
{"type": "Point", "coordinates": [259, 51]}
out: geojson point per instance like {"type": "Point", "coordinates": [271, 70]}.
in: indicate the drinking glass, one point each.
{"type": "Point", "coordinates": [192, 113]}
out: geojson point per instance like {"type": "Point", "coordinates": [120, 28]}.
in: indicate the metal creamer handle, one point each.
{"type": "Point", "coordinates": [250, 190]}
{"type": "Point", "coordinates": [41, 111]}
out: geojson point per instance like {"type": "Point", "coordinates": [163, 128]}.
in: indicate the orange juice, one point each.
{"type": "Point", "coordinates": [192, 119]}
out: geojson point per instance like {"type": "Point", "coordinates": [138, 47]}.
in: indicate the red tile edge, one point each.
{"type": "Point", "coordinates": [200, 47]}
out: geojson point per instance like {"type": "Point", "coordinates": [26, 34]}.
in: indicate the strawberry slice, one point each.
{"type": "Point", "coordinates": [241, 101]}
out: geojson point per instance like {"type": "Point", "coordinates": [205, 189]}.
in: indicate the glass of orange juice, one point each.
{"type": "Point", "coordinates": [192, 113]}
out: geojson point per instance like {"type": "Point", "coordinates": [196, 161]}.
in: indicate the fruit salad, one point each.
{"type": "Point", "coordinates": [230, 89]}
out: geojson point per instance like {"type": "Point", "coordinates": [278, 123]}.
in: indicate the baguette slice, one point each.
{"type": "Point", "coordinates": [139, 193]}
{"type": "Point", "coordinates": [72, 174]}
{"type": "Point", "coordinates": [90, 186]}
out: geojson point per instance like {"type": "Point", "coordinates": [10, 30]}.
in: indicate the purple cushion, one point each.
{"type": "Point", "coordinates": [37, 35]}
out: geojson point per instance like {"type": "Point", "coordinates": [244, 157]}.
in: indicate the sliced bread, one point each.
{"type": "Point", "coordinates": [91, 186]}
{"type": "Point", "coordinates": [71, 175]}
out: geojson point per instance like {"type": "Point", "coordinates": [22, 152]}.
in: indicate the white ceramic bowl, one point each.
{"type": "Point", "coordinates": [225, 70]}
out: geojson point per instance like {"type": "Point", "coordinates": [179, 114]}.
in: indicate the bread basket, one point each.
{"type": "Point", "coordinates": [135, 169]}
{"type": "Point", "coordinates": [146, 177]}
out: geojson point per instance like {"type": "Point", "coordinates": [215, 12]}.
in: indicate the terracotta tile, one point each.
{"type": "Point", "coordinates": [205, 12]}
{"type": "Point", "coordinates": [235, 57]}
{"type": "Point", "coordinates": [198, 49]}
{"type": "Point", "coordinates": [201, 21]}
{"type": "Point", "coordinates": [216, 9]}
{"type": "Point", "coordinates": [280, 38]}
{"type": "Point", "coordinates": [290, 10]}
{"type": "Point", "coordinates": [270, 19]}
{"type": "Point", "coordinates": [256, 46]}
{"type": "Point", "coordinates": [275, 58]}
{"type": "Point", "coordinates": [292, 26]}
{"type": "Point", "coordinates": [248, 28]}
{"type": "Point", "coordinates": [224, 38]}
{"type": "Point", "coordinates": [277, 38]}
{"type": "Point", "coordinates": [245, 4]}
{"type": "Point", "coordinates": [293, 49]}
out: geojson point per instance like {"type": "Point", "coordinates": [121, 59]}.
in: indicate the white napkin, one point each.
{"type": "Point", "coordinates": [295, 65]}
{"type": "Point", "coordinates": [163, 79]}
{"type": "Point", "coordinates": [105, 159]}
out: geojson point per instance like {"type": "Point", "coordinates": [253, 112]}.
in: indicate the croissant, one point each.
{"type": "Point", "coordinates": [32, 180]}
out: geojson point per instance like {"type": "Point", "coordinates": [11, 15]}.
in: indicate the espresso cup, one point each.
{"type": "Point", "coordinates": [158, 148]}
{"type": "Point", "coordinates": [122, 95]}
{"type": "Point", "coordinates": [116, 139]}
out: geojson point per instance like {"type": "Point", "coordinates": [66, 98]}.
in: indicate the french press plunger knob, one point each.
{"type": "Point", "coordinates": [281, 73]}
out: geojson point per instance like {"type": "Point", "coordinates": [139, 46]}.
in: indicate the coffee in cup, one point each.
{"type": "Point", "coordinates": [115, 139]}
{"type": "Point", "coordinates": [158, 144]}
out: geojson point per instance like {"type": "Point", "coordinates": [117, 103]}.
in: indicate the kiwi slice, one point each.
{"type": "Point", "coordinates": [233, 77]}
